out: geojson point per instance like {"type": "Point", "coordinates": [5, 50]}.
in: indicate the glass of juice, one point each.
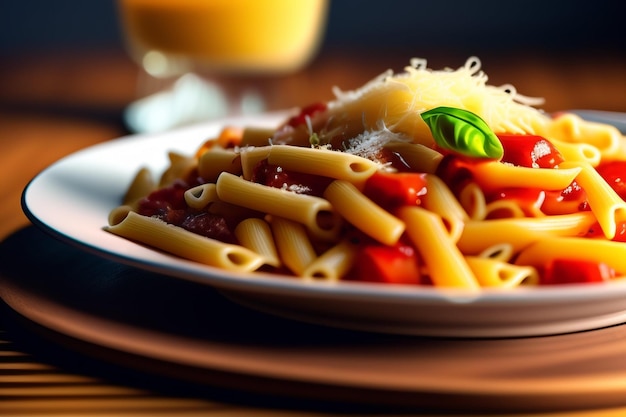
{"type": "Point", "coordinates": [215, 51]}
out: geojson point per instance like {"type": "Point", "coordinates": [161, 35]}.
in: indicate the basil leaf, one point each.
{"type": "Point", "coordinates": [463, 132]}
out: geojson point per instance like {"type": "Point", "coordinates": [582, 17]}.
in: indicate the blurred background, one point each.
{"type": "Point", "coordinates": [67, 57]}
{"type": "Point", "coordinates": [510, 37]}
{"type": "Point", "coordinates": [457, 27]}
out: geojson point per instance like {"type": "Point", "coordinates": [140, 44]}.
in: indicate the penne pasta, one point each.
{"type": "Point", "coordinates": [570, 127]}
{"type": "Point", "coordinates": [180, 167]}
{"type": "Point", "coordinates": [440, 200]}
{"type": "Point", "coordinates": [444, 261]}
{"type": "Point", "coordinates": [472, 199]}
{"type": "Point", "coordinates": [501, 251]}
{"type": "Point", "coordinates": [118, 214]}
{"type": "Point", "coordinates": [597, 250]}
{"type": "Point", "coordinates": [495, 175]}
{"type": "Point", "coordinates": [256, 235]}
{"type": "Point", "coordinates": [201, 196]}
{"type": "Point", "coordinates": [493, 273]}
{"type": "Point", "coordinates": [250, 157]}
{"type": "Point", "coordinates": [315, 213]}
{"type": "Point", "coordinates": [333, 264]}
{"type": "Point", "coordinates": [333, 164]}
{"type": "Point", "coordinates": [418, 157]}
{"type": "Point", "coordinates": [142, 185]}
{"type": "Point", "coordinates": [505, 208]}
{"type": "Point", "coordinates": [295, 248]}
{"type": "Point", "coordinates": [607, 206]}
{"type": "Point", "coordinates": [178, 241]}
{"type": "Point", "coordinates": [363, 213]}
{"type": "Point", "coordinates": [578, 151]}
{"type": "Point", "coordinates": [257, 136]}
{"type": "Point", "coordinates": [217, 160]}
{"type": "Point", "coordinates": [521, 232]}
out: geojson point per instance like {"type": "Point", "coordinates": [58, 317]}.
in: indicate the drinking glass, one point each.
{"type": "Point", "coordinates": [203, 59]}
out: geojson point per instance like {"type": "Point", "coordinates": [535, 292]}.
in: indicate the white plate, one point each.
{"type": "Point", "coordinates": [73, 197]}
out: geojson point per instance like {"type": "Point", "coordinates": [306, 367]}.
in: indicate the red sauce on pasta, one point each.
{"type": "Point", "coordinates": [277, 177]}
{"type": "Point", "coordinates": [168, 204]}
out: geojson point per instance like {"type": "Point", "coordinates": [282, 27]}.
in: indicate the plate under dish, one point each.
{"type": "Point", "coordinates": [72, 198]}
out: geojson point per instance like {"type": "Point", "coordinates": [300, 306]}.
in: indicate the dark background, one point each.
{"type": "Point", "coordinates": [455, 27]}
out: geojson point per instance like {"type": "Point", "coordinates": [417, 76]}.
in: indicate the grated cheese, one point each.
{"type": "Point", "coordinates": [370, 143]}
{"type": "Point", "coordinates": [397, 100]}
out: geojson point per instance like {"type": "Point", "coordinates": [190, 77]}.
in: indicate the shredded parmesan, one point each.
{"type": "Point", "coordinates": [370, 143]}
{"type": "Point", "coordinates": [397, 100]}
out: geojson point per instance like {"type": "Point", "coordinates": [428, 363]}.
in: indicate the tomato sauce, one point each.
{"type": "Point", "coordinates": [168, 204]}
{"type": "Point", "coordinates": [277, 177]}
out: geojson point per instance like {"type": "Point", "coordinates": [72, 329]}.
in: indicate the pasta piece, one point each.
{"type": "Point", "coordinates": [495, 175]}
{"type": "Point", "coordinates": [501, 252]}
{"type": "Point", "coordinates": [573, 128]}
{"type": "Point", "coordinates": [257, 136]}
{"type": "Point", "coordinates": [188, 245]}
{"type": "Point", "coordinates": [621, 152]}
{"type": "Point", "coordinates": [605, 203]}
{"type": "Point", "coordinates": [142, 185]}
{"type": "Point", "coordinates": [293, 244]}
{"type": "Point", "coordinates": [119, 213]}
{"type": "Point", "coordinates": [597, 250]}
{"type": "Point", "coordinates": [505, 208]}
{"type": "Point", "coordinates": [440, 200]}
{"type": "Point", "coordinates": [578, 151]}
{"type": "Point", "coordinates": [180, 167]}
{"type": "Point", "coordinates": [315, 213]}
{"type": "Point", "coordinates": [363, 213]}
{"type": "Point", "coordinates": [327, 163]}
{"type": "Point", "coordinates": [201, 196]}
{"type": "Point", "coordinates": [256, 235]}
{"type": "Point", "coordinates": [216, 161]}
{"type": "Point", "coordinates": [250, 157]}
{"type": "Point", "coordinates": [497, 274]}
{"type": "Point", "coordinates": [521, 232]}
{"type": "Point", "coordinates": [446, 265]}
{"type": "Point", "coordinates": [472, 199]}
{"type": "Point", "coordinates": [333, 264]}
{"type": "Point", "coordinates": [418, 157]}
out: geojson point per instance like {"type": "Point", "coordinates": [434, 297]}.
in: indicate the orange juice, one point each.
{"type": "Point", "coordinates": [224, 35]}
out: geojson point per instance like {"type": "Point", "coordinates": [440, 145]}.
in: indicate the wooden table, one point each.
{"type": "Point", "coordinates": [52, 104]}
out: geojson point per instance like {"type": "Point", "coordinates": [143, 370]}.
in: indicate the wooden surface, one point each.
{"type": "Point", "coordinates": [54, 104]}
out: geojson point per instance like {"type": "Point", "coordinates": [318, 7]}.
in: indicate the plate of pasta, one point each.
{"type": "Point", "coordinates": [425, 202]}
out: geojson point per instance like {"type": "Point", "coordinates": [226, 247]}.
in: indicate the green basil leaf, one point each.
{"type": "Point", "coordinates": [463, 132]}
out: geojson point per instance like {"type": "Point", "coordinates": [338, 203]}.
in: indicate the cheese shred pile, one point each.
{"type": "Point", "coordinates": [397, 100]}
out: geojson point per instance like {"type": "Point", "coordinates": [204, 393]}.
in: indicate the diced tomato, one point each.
{"type": "Point", "coordinates": [388, 264]}
{"type": "Point", "coordinates": [392, 190]}
{"type": "Point", "coordinates": [571, 271]}
{"type": "Point", "coordinates": [529, 151]}
{"type": "Point", "coordinates": [456, 172]}
{"type": "Point", "coordinates": [570, 200]}
{"type": "Point", "coordinates": [305, 112]}
{"type": "Point", "coordinates": [614, 173]}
